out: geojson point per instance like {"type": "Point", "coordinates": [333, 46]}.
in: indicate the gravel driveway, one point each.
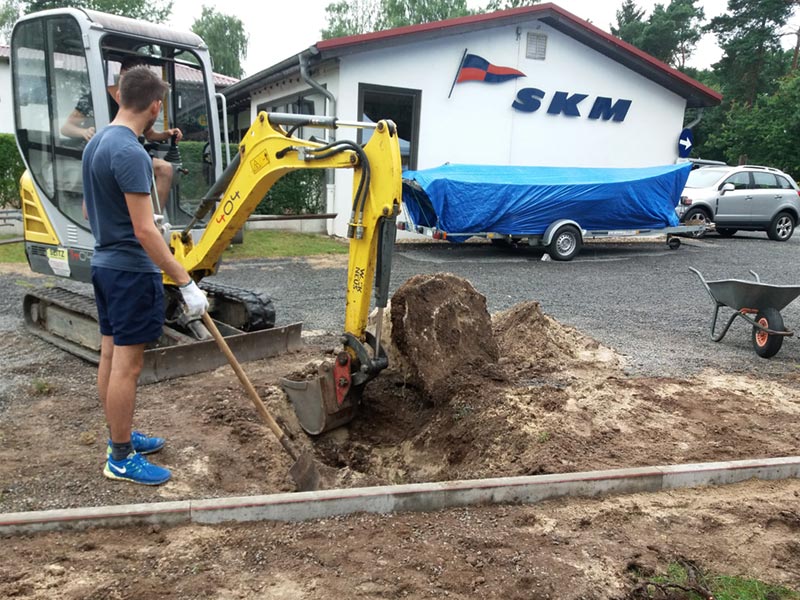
{"type": "Point", "coordinates": [638, 297]}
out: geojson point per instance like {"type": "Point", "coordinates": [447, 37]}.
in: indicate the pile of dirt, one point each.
{"type": "Point", "coordinates": [441, 333]}
{"type": "Point", "coordinates": [530, 340]}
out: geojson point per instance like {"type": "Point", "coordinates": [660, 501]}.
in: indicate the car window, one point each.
{"type": "Point", "coordinates": [740, 181]}
{"type": "Point", "coordinates": [764, 181]}
{"type": "Point", "coordinates": [783, 183]}
{"type": "Point", "coordinates": [700, 178]}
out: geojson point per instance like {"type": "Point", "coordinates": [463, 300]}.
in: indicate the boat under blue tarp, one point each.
{"type": "Point", "coordinates": [475, 199]}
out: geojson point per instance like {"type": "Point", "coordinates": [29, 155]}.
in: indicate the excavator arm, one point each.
{"type": "Point", "coordinates": [268, 152]}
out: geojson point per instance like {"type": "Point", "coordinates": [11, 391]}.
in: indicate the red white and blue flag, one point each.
{"type": "Point", "coordinates": [477, 68]}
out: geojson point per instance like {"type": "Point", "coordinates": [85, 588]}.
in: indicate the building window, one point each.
{"type": "Point", "coordinates": [537, 46]}
{"type": "Point", "coordinates": [401, 105]}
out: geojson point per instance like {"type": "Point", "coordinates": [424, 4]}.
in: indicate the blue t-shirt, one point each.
{"type": "Point", "coordinates": [115, 163]}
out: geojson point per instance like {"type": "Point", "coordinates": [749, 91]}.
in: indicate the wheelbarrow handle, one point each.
{"type": "Point", "coordinates": [715, 337]}
{"type": "Point", "coordinates": [703, 281]}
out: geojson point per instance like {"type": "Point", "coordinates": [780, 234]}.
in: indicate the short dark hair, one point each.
{"type": "Point", "coordinates": [139, 87]}
{"type": "Point", "coordinates": [130, 61]}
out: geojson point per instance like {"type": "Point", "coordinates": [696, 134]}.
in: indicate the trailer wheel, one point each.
{"type": "Point", "coordinates": [766, 345]}
{"type": "Point", "coordinates": [566, 243]}
{"type": "Point", "coordinates": [697, 216]}
{"type": "Point", "coordinates": [674, 243]}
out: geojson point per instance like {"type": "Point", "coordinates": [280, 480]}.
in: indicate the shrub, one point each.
{"type": "Point", "coordinates": [296, 193]}
{"type": "Point", "coordinates": [11, 169]}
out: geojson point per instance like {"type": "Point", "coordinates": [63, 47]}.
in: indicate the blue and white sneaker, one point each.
{"type": "Point", "coordinates": [136, 469]}
{"type": "Point", "coordinates": [142, 443]}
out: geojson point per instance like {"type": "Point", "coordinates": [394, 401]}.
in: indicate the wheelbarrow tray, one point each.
{"type": "Point", "coordinates": [739, 294]}
{"type": "Point", "coordinates": [746, 298]}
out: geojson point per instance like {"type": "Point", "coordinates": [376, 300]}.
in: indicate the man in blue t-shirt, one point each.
{"type": "Point", "coordinates": [129, 257]}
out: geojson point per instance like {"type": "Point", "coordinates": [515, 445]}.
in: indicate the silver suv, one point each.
{"type": "Point", "coordinates": [747, 197]}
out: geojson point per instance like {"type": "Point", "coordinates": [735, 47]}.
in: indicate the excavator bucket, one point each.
{"type": "Point", "coordinates": [315, 401]}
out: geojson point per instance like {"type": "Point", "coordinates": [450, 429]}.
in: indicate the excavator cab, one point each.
{"type": "Point", "coordinates": [65, 67]}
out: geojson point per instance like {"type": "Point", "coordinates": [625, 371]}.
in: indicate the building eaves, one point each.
{"type": "Point", "coordinates": [696, 94]}
{"type": "Point", "coordinates": [242, 90]}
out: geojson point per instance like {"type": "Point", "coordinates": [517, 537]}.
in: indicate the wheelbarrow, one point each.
{"type": "Point", "coordinates": [747, 298]}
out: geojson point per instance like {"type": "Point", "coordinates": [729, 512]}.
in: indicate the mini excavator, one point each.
{"type": "Point", "coordinates": [63, 62]}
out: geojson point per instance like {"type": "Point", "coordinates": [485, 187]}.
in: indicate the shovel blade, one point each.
{"type": "Point", "coordinates": [305, 474]}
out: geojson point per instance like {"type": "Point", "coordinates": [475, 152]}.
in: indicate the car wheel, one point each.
{"type": "Point", "coordinates": [725, 232]}
{"type": "Point", "coordinates": [766, 345]}
{"type": "Point", "coordinates": [697, 216]}
{"type": "Point", "coordinates": [566, 243]}
{"type": "Point", "coordinates": [781, 228]}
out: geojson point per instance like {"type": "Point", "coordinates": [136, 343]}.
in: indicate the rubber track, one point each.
{"type": "Point", "coordinates": [259, 307]}
{"type": "Point", "coordinates": [73, 301]}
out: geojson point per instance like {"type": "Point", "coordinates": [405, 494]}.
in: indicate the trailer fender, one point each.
{"type": "Point", "coordinates": [555, 226]}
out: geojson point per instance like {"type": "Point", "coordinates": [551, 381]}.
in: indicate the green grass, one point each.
{"type": "Point", "coordinates": [257, 244]}
{"type": "Point", "coordinates": [270, 244]}
{"type": "Point", "coordinates": [687, 583]}
{"type": "Point", "coordinates": [12, 253]}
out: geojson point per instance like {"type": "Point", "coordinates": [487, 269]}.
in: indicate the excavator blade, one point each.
{"type": "Point", "coordinates": [68, 320]}
{"type": "Point", "coordinates": [315, 403]}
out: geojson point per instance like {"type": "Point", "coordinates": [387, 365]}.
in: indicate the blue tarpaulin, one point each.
{"type": "Point", "coordinates": [525, 200]}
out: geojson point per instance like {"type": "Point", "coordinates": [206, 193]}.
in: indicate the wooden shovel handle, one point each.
{"type": "Point", "coordinates": [251, 391]}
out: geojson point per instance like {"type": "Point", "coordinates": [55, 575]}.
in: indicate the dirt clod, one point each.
{"type": "Point", "coordinates": [441, 330]}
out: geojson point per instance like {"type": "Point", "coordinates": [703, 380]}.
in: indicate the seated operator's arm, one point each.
{"type": "Point", "coordinates": [73, 126]}
{"type": "Point", "coordinates": [162, 136]}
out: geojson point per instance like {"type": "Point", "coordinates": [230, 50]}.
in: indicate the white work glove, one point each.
{"type": "Point", "coordinates": [195, 300]}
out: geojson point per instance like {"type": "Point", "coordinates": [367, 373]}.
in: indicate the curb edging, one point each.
{"type": "Point", "coordinates": [419, 497]}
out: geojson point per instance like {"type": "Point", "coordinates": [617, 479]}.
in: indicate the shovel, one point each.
{"type": "Point", "coordinates": [304, 472]}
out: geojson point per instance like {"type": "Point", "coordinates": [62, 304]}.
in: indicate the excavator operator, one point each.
{"type": "Point", "coordinates": [81, 124]}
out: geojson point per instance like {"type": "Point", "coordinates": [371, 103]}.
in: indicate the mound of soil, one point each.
{"type": "Point", "coordinates": [530, 340]}
{"type": "Point", "coordinates": [441, 332]}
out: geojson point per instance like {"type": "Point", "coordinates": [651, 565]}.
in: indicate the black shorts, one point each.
{"type": "Point", "coordinates": [130, 306]}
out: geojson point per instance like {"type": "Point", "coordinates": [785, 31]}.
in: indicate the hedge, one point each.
{"type": "Point", "coordinates": [11, 169]}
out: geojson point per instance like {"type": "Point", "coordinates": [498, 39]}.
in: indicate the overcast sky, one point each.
{"type": "Point", "coordinates": [279, 29]}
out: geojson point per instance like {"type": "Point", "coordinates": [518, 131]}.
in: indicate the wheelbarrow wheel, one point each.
{"type": "Point", "coordinates": [766, 345]}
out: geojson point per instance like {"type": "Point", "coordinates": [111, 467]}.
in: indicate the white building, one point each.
{"type": "Point", "coordinates": [6, 105]}
{"type": "Point", "coordinates": [583, 97]}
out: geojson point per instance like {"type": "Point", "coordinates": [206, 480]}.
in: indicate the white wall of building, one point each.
{"type": "Point", "coordinates": [478, 124]}
{"type": "Point", "coordinates": [6, 106]}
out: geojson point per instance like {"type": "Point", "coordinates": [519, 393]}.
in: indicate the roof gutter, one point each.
{"type": "Point", "coordinates": [330, 99]}
{"type": "Point", "coordinates": [697, 120]}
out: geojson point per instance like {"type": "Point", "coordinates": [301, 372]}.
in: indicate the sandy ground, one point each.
{"type": "Point", "coordinates": [542, 399]}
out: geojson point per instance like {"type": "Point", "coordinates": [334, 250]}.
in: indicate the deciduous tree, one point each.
{"type": "Point", "coordinates": [226, 39]}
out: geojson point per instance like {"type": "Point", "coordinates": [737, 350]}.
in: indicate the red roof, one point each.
{"type": "Point", "coordinates": [695, 92]}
